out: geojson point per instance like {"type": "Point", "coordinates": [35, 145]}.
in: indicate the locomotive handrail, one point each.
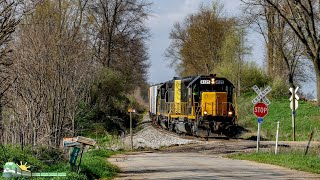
{"type": "Point", "coordinates": [176, 108]}
{"type": "Point", "coordinates": [197, 108]}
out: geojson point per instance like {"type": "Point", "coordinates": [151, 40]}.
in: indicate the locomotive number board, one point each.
{"type": "Point", "coordinates": [207, 81]}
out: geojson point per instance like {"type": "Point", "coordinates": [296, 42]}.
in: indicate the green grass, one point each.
{"type": "Point", "coordinates": [293, 160]}
{"type": "Point", "coordinates": [94, 162]}
{"type": "Point", "coordinates": [307, 118]}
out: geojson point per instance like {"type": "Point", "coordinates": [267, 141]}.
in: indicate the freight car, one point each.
{"type": "Point", "coordinates": [195, 105]}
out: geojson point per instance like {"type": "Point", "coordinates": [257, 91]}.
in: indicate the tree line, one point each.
{"type": "Point", "coordinates": [67, 64]}
{"type": "Point", "coordinates": [209, 41]}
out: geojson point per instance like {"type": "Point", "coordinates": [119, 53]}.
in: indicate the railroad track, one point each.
{"type": "Point", "coordinates": [188, 137]}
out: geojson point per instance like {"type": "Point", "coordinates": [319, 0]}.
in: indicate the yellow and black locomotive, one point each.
{"type": "Point", "coordinates": [197, 105]}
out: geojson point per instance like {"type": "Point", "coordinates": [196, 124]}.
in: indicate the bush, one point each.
{"type": "Point", "coordinates": [252, 75]}
{"type": "Point", "coordinates": [279, 88]}
{"type": "Point", "coordinates": [94, 164]}
{"type": "Point", "coordinates": [108, 107]}
{"type": "Point", "coordinates": [15, 154]}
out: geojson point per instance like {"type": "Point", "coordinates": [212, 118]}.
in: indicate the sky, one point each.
{"type": "Point", "coordinates": [164, 13]}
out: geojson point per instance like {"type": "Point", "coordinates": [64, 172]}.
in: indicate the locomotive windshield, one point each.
{"type": "Point", "coordinates": [213, 88]}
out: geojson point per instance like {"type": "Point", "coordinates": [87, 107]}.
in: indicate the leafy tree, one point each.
{"type": "Point", "coordinates": [196, 43]}
{"type": "Point", "coordinates": [207, 42]}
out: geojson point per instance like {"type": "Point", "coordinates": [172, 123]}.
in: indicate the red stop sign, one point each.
{"type": "Point", "coordinates": [260, 110]}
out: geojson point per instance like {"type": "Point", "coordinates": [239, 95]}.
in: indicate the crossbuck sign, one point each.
{"type": "Point", "coordinates": [295, 98]}
{"type": "Point", "coordinates": [261, 95]}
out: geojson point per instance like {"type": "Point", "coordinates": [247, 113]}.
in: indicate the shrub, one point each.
{"type": "Point", "coordinates": [94, 164]}
{"type": "Point", "coordinates": [252, 75]}
{"type": "Point", "coordinates": [15, 154]}
{"type": "Point", "coordinates": [279, 87]}
{"type": "Point", "coordinates": [108, 106]}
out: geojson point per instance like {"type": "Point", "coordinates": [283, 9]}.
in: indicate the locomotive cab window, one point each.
{"type": "Point", "coordinates": [163, 93]}
{"type": "Point", "coordinates": [229, 90]}
{"type": "Point", "coordinates": [213, 88]}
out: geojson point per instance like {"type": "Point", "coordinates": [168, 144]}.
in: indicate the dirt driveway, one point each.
{"type": "Point", "coordinates": [184, 165]}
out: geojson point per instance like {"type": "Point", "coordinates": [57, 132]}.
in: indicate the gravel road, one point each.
{"type": "Point", "coordinates": [174, 157]}
{"type": "Point", "coordinates": [198, 166]}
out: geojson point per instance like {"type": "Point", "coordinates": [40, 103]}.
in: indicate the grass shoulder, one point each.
{"type": "Point", "coordinates": [307, 118]}
{"type": "Point", "coordinates": [293, 160]}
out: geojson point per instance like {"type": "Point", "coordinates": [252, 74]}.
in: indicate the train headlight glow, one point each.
{"type": "Point", "coordinates": [230, 113]}
{"type": "Point", "coordinates": [205, 112]}
{"type": "Point", "coordinates": [213, 81]}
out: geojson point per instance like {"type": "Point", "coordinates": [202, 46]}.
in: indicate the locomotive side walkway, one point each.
{"type": "Point", "coordinates": [198, 166]}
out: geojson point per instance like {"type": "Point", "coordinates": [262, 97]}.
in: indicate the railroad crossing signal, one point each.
{"type": "Point", "coordinates": [295, 98]}
{"type": "Point", "coordinates": [261, 95]}
{"type": "Point", "coordinates": [294, 106]}
{"type": "Point", "coordinates": [260, 109]}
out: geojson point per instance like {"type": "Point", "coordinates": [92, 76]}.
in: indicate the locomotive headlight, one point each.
{"type": "Point", "coordinates": [230, 113]}
{"type": "Point", "coordinates": [205, 112]}
{"type": "Point", "coordinates": [213, 81]}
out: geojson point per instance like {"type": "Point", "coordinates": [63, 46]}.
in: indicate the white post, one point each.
{"type": "Point", "coordinates": [277, 137]}
{"type": "Point", "coordinates": [258, 136]}
{"type": "Point", "coordinates": [293, 115]}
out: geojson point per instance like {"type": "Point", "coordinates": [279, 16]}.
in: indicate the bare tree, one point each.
{"type": "Point", "coordinates": [53, 71]}
{"type": "Point", "coordinates": [60, 47]}
{"type": "Point", "coordinates": [9, 19]}
{"type": "Point", "coordinates": [303, 19]}
{"type": "Point", "coordinates": [114, 21]}
{"type": "Point", "coordinates": [285, 52]}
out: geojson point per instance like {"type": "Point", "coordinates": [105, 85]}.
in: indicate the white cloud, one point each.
{"type": "Point", "coordinates": [166, 16]}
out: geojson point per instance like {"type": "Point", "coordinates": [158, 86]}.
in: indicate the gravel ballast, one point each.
{"type": "Point", "coordinates": [150, 137]}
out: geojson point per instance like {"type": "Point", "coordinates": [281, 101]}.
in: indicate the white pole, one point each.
{"type": "Point", "coordinates": [293, 114]}
{"type": "Point", "coordinates": [277, 137]}
{"type": "Point", "coordinates": [258, 136]}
